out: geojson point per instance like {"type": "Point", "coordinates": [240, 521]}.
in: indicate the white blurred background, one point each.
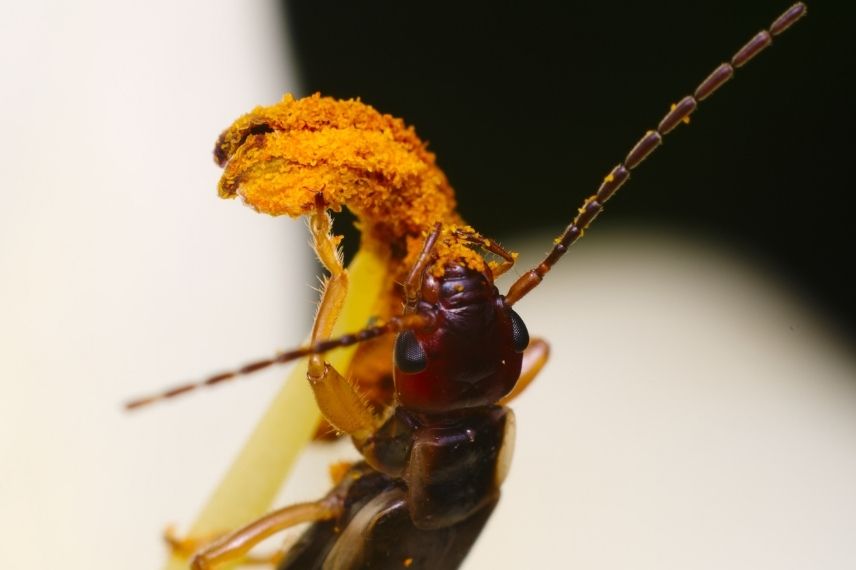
{"type": "Point", "coordinates": [122, 271]}
{"type": "Point", "coordinates": [696, 413]}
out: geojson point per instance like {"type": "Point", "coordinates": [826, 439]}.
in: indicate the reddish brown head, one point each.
{"type": "Point", "coordinates": [471, 355]}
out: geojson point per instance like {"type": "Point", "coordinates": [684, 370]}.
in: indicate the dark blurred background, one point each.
{"type": "Point", "coordinates": [528, 105]}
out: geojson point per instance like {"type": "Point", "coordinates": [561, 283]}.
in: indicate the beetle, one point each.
{"type": "Point", "coordinates": [434, 461]}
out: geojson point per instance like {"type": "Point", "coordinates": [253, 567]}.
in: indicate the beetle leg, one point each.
{"type": "Point", "coordinates": [185, 547]}
{"type": "Point", "coordinates": [338, 471]}
{"type": "Point", "coordinates": [534, 358]}
{"type": "Point", "coordinates": [508, 258]}
{"type": "Point", "coordinates": [338, 399]}
{"type": "Point", "coordinates": [235, 545]}
{"type": "Point", "coordinates": [272, 559]}
{"type": "Point", "coordinates": [335, 288]}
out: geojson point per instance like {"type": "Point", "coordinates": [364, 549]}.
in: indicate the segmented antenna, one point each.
{"type": "Point", "coordinates": [413, 281]}
{"type": "Point", "coordinates": [679, 112]}
{"type": "Point", "coordinates": [395, 324]}
{"type": "Point", "coordinates": [587, 213]}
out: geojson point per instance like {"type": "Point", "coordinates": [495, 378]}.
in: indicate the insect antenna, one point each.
{"type": "Point", "coordinates": [679, 112]}
{"type": "Point", "coordinates": [411, 284]}
{"type": "Point", "coordinates": [394, 324]}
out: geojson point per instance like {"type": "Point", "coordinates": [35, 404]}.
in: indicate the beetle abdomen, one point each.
{"type": "Point", "coordinates": [375, 531]}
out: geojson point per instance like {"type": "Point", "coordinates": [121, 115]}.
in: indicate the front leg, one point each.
{"type": "Point", "coordinates": [335, 287]}
{"type": "Point", "coordinates": [338, 399]}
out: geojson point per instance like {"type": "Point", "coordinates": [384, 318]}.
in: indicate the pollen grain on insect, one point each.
{"type": "Point", "coordinates": [685, 120]}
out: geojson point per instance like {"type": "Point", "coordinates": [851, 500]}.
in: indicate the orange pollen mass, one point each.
{"type": "Point", "coordinates": [278, 158]}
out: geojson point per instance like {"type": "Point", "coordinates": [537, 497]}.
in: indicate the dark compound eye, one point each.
{"type": "Point", "coordinates": [409, 355]}
{"type": "Point", "coordinates": [519, 333]}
